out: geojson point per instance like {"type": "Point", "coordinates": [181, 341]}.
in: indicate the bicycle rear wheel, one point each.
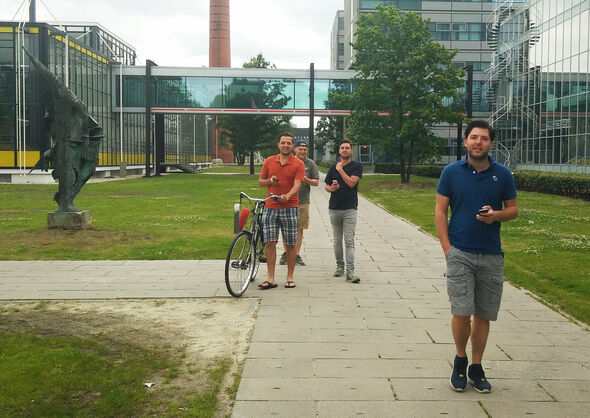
{"type": "Point", "coordinates": [238, 264]}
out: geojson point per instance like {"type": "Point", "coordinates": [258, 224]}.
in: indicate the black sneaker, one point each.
{"type": "Point", "coordinates": [459, 375]}
{"type": "Point", "coordinates": [477, 378]}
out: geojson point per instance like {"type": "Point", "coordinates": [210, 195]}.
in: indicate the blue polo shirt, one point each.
{"type": "Point", "coordinates": [468, 191]}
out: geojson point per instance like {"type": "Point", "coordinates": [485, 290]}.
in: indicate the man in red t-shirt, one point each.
{"type": "Point", "coordinates": [282, 174]}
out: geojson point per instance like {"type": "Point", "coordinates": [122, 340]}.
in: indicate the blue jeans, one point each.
{"type": "Point", "coordinates": [343, 225]}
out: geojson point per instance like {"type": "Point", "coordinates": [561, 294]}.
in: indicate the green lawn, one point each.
{"type": "Point", "coordinates": [547, 247]}
{"type": "Point", "coordinates": [177, 216]}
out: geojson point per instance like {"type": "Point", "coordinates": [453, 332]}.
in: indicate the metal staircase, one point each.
{"type": "Point", "coordinates": [511, 64]}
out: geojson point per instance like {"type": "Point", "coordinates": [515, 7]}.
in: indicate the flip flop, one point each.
{"type": "Point", "coordinates": [290, 285]}
{"type": "Point", "coordinates": [267, 285]}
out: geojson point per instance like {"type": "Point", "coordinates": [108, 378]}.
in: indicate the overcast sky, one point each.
{"type": "Point", "coordinates": [289, 33]}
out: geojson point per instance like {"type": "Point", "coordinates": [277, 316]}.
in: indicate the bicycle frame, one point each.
{"type": "Point", "coordinates": [242, 266]}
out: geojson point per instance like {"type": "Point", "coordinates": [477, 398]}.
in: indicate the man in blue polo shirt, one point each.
{"type": "Point", "coordinates": [481, 194]}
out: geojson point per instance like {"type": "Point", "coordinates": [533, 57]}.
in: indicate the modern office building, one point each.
{"type": "Point", "coordinates": [539, 82]}
{"type": "Point", "coordinates": [82, 56]}
{"type": "Point", "coordinates": [337, 42]}
{"type": "Point", "coordinates": [459, 24]}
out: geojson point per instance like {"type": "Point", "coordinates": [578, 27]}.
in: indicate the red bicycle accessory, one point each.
{"type": "Point", "coordinates": [244, 213]}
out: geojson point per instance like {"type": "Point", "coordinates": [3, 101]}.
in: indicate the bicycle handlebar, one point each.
{"type": "Point", "coordinates": [253, 199]}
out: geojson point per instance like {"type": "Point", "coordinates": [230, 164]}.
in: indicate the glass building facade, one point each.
{"type": "Point", "coordinates": [211, 94]}
{"type": "Point", "coordinates": [539, 81]}
{"type": "Point", "coordinates": [457, 24]}
{"type": "Point", "coordinates": [82, 57]}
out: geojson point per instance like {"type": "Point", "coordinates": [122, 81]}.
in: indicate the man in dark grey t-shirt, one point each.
{"type": "Point", "coordinates": [311, 178]}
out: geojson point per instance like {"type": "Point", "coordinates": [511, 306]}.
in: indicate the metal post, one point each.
{"type": "Point", "coordinates": [469, 92]}
{"type": "Point", "coordinates": [148, 115]}
{"type": "Point", "coordinates": [194, 140]}
{"type": "Point", "coordinates": [121, 108]}
{"type": "Point", "coordinates": [468, 107]}
{"type": "Point", "coordinates": [311, 109]}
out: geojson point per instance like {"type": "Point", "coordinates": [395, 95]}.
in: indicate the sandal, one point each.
{"type": "Point", "coordinates": [290, 284]}
{"type": "Point", "coordinates": [267, 285]}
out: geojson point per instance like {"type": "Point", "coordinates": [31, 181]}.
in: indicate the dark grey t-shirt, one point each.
{"type": "Point", "coordinates": [345, 197]}
{"type": "Point", "coordinates": [311, 171]}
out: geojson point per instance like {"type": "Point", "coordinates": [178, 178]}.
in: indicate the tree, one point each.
{"type": "Point", "coordinates": [329, 130]}
{"type": "Point", "coordinates": [403, 78]}
{"type": "Point", "coordinates": [247, 133]}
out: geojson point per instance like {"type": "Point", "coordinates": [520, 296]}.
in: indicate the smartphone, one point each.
{"type": "Point", "coordinates": [482, 211]}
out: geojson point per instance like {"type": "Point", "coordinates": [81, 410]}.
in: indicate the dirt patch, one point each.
{"type": "Point", "coordinates": [197, 332]}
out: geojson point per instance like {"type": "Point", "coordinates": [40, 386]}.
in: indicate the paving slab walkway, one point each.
{"type": "Point", "coordinates": [381, 348]}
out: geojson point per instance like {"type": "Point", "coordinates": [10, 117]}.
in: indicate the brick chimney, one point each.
{"type": "Point", "coordinates": [219, 36]}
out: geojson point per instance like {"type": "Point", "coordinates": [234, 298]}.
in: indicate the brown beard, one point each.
{"type": "Point", "coordinates": [482, 158]}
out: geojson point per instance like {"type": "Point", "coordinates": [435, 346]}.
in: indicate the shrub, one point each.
{"type": "Point", "coordinates": [565, 184]}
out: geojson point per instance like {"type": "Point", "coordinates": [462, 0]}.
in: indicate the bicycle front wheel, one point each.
{"type": "Point", "coordinates": [258, 252]}
{"type": "Point", "coordinates": [238, 264]}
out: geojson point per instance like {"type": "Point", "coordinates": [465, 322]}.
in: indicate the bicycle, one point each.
{"type": "Point", "coordinates": [243, 256]}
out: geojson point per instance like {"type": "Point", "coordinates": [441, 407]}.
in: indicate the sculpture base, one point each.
{"type": "Point", "coordinates": [69, 220]}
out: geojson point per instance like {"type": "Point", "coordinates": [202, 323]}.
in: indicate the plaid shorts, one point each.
{"type": "Point", "coordinates": [286, 219]}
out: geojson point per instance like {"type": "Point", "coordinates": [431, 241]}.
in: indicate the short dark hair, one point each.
{"type": "Point", "coordinates": [345, 141]}
{"type": "Point", "coordinates": [480, 123]}
{"type": "Point", "coordinates": [290, 135]}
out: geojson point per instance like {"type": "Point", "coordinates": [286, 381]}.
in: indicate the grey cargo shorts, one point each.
{"type": "Point", "coordinates": [474, 283]}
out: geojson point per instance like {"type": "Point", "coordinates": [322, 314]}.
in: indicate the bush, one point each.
{"type": "Point", "coordinates": [424, 170]}
{"type": "Point", "coordinates": [565, 184]}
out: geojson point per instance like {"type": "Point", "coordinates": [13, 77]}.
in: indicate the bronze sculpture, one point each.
{"type": "Point", "coordinates": [75, 139]}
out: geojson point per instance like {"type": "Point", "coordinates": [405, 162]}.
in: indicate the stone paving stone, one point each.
{"type": "Point", "coordinates": [345, 350]}
{"type": "Point", "coordinates": [311, 322]}
{"type": "Point", "coordinates": [281, 367]}
{"type": "Point", "coordinates": [544, 353]}
{"type": "Point", "coordinates": [501, 408]}
{"type": "Point", "coordinates": [432, 313]}
{"type": "Point", "coordinates": [440, 389]}
{"type": "Point", "coordinates": [401, 336]}
{"type": "Point", "coordinates": [499, 337]}
{"type": "Point", "coordinates": [279, 409]}
{"type": "Point", "coordinates": [576, 338]}
{"type": "Point", "coordinates": [335, 311]}
{"type": "Point", "coordinates": [431, 351]}
{"type": "Point", "coordinates": [339, 335]}
{"type": "Point", "coordinates": [386, 312]}
{"type": "Point", "coordinates": [557, 369]}
{"type": "Point", "coordinates": [273, 334]}
{"type": "Point", "coordinates": [265, 349]}
{"type": "Point", "coordinates": [568, 389]}
{"type": "Point", "coordinates": [403, 323]}
{"type": "Point", "coordinates": [401, 409]}
{"type": "Point", "coordinates": [537, 315]}
{"type": "Point", "coordinates": [381, 368]}
{"type": "Point", "coordinates": [305, 389]}
{"type": "Point", "coordinates": [288, 311]}
{"type": "Point", "coordinates": [506, 323]}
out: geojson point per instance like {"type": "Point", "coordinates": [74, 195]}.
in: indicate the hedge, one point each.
{"type": "Point", "coordinates": [565, 184]}
{"type": "Point", "coordinates": [424, 170]}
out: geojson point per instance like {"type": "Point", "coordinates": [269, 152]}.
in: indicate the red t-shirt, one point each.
{"type": "Point", "coordinates": [292, 170]}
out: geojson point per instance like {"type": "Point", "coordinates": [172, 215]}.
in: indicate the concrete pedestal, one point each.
{"type": "Point", "coordinates": [69, 220]}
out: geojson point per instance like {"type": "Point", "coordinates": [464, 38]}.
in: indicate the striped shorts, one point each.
{"type": "Point", "coordinates": [285, 219]}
